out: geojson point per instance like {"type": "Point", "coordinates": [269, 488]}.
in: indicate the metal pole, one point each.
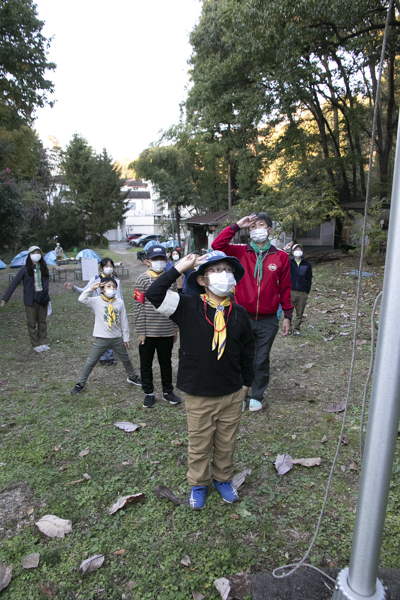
{"type": "Point", "coordinates": [381, 436]}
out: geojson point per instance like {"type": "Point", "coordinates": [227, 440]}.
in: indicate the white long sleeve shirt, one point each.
{"type": "Point", "coordinates": [100, 309]}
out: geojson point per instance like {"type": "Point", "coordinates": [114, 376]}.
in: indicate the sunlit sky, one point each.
{"type": "Point", "coordinates": [121, 70]}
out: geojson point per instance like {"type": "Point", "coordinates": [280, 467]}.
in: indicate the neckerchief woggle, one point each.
{"type": "Point", "coordinates": [219, 339]}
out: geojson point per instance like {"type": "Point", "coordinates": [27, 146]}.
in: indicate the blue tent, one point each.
{"type": "Point", "coordinates": [87, 253]}
{"type": "Point", "coordinates": [170, 244]}
{"type": "Point", "coordinates": [2, 265]}
{"type": "Point", "coordinates": [50, 257]}
{"type": "Point", "coordinates": [19, 260]}
{"type": "Point", "coordinates": [150, 244]}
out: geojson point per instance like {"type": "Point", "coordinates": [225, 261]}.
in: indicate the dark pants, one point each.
{"type": "Point", "coordinates": [264, 334]}
{"type": "Point", "coordinates": [100, 345]}
{"type": "Point", "coordinates": [299, 301]}
{"type": "Point", "coordinates": [37, 326]}
{"type": "Point", "coordinates": [164, 346]}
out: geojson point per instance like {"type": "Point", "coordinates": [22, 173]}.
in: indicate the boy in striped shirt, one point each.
{"type": "Point", "coordinates": [154, 331]}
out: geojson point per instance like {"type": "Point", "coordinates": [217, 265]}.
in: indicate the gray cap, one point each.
{"type": "Point", "coordinates": [32, 248]}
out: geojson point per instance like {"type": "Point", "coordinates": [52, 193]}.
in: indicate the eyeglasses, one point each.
{"type": "Point", "coordinates": [220, 269]}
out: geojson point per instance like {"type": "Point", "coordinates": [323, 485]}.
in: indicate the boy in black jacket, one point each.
{"type": "Point", "coordinates": [301, 278]}
{"type": "Point", "coordinates": [215, 365]}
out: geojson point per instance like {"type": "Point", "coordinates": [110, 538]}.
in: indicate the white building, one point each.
{"type": "Point", "coordinates": [146, 213]}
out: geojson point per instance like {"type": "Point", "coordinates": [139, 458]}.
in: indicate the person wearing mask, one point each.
{"type": "Point", "coordinates": [215, 365]}
{"type": "Point", "coordinates": [111, 329]}
{"type": "Point", "coordinates": [35, 277]}
{"type": "Point", "coordinates": [154, 331]}
{"type": "Point", "coordinates": [301, 278]}
{"type": "Point", "coordinates": [175, 257]}
{"type": "Point", "coordinates": [265, 285]}
{"type": "Point", "coordinates": [106, 270]}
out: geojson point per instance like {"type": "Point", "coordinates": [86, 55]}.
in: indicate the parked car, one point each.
{"type": "Point", "coordinates": [142, 241]}
{"type": "Point", "coordinates": [133, 236]}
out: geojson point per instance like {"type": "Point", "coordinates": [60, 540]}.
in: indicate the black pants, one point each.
{"type": "Point", "coordinates": [164, 346]}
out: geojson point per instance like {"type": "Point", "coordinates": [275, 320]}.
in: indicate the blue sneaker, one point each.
{"type": "Point", "coordinates": [198, 497]}
{"type": "Point", "coordinates": [227, 491]}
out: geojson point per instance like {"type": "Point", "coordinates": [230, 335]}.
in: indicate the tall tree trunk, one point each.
{"type": "Point", "coordinates": [178, 224]}
{"type": "Point", "coordinates": [229, 181]}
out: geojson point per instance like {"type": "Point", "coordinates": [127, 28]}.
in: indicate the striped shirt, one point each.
{"type": "Point", "coordinates": [149, 322]}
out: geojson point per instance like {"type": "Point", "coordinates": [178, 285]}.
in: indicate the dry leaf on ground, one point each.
{"type": "Point", "coordinates": [143, 424]}
{"type": "Point", "coordinates": [235, 587]}
{"type": "Point", "coordinates": [186, 561]}
{"type": "Point", "coordinates": [121, 502]}
{"type": "Point", "coordinates": [197, 596]}
{"type": "Point", "coordinates": [336, 407]}
{"type": "Point", "coordinates": [122, 551]}
{"type": "Point", "coordinates": [283, 463]}
{"type": "Point", "coordinates": [73, 482]}
{"type": "Point", "coordinates": [126, 426]}
{"type": "Point", "coordinates": [354, 466]}
{"type": "Point", "coordinates": [84, 452]}
{"type": "Point", "coordinates": [307, 462]}
{"type": "Point", "coordinates": [324, 439]}
{"type": "Point", "coordinates": [345, 440]}
{"type": "Point", "coordinates": [309, 366]}
{"type": "Point", "coordinates": [176, 443]}
{"type": "Point", "coordinates": [5, 576]}
{"type": "Point", "coordinates": [87, 476]}
{"type": "Point", "coordinates": [131, 584]}
{"type": "Point", "coordinates": [46, 591]}
{"type": "Point", "coordinates": [57, 448]}
{"type": "Point", "coordinates": [223, 587]}
{"type": "Point", "coordinates": [329, 339]}
{"type": "Point", "coordinates": [343, 469]}
{"type": "Point", "coordinates": [233, 516]}
{"type": "Point", "coordinates": [91, 564]}
{"type": "Point", "coordinates": [31, 561]}
{"type": "Point", "coordinates": [53, 526]}
{"type": "Point", "coordinates": [239, 479]}
{"type": "Point", "coordinates": [162, 491]}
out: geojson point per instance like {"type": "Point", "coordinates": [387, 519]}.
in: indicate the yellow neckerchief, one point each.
{"type": "Point", "coordinates": [111, 312]}
{"type": "Point", "coordinates": [154, 274]}
{"type": "Point", "coordinates": [298, 261]}
{"type": "Point", "coordinates": [219, 338]}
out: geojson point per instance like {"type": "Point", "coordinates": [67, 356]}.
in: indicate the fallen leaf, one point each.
{"type": "Point", "coordinates": [343, 469]}
{"type": "Point", "coordinates": [2, 464]}
{"type": "Point", "coordinates": [126, 462]}
{"type": "Point", "coordinates": [155, 462]}
{"type": "Point", "coordinates": [197, 596]}
{"type": "Point", "coordinates": [5, 576]}
{"type": "Point", "coordinates": [309, 366]}
{"type": "Point", "coordinates": [121, 502]}
{"type": "Point", "coordinates": [305, 344]}
{"type": "Point", "coordinates": [143, 424]}
{"type": "Point", "coordinates": [354, 466]}
{"type": "Point", "coordinates": [131, 584]}
{"type": "Point", "coordinates": [57, 448]}
{"type": "Point", "coordinates": [31, 561]}
{"type": "Point", "coordinates": [162, 491]}
{"type": "Point", "coordinates": [84, 452]}
{"type": "Point", "coordinates": [283, 463]}
{"type": "Point", "coordinates": [307, 462]}
{"type": "Point", "coordinates": [176, 443]}
{"type": "Point", "coordinates": [309, 486]}
{"type": "Point", "coordinates": [294, 436]}
{"type": "Point", "coordinates": [46, 591]}
{"type": "Point", "coordinates": [239, 479]}
{"type": "Point", "coordinates": [31, 511]}
{"type": "Point", "coordinates": [126, 426]}
{"type": "Point", "coordinates": [73, 482]}
{"type": "Point", "coordinates": [233, 516]}
{"type": "Point", "coordinates": [87, 476]}
{"type": "Point", "coordinates": [67, 430]}
{"type": "Point", "coordinates": [336, 407]}
{"type": "Point", "coordinates": [324, 439]}
{"type": "Point", "coordinates": [223, 587]}
{"type": "Point", "coordinates": [329, 339]}
{"type": "Point", "coordinates": [361, 342]}
{"type": "Point", "coordinates": [122, 551]}
{"type": "Point", "coordinates": [345, 440]}
{"type": "Point", "coordinates": [53, 526]}
{"type": "Point", "coordinates": [331, 564]}
{"type": "Point", "coordinates": [344, 333]}
{"type": "Point", "coordinates": [62, 468]}
{"type": "Point", "coordinates": [235, 586]}
{"type": "Point", "coordinates": [91, 564]}
{"type": "Point", "coordinates": [243, 512]}
{"type": "Point", "coordinates": [186, 561]}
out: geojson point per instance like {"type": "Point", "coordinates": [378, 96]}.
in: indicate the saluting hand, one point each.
{"type": "Point", "coordinates": [247, 221]}
{"type": "Point", "coordinates": [187, 262]}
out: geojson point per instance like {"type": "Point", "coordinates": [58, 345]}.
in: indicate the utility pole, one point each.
{"type": "Point", "coordinates": [359, 581]}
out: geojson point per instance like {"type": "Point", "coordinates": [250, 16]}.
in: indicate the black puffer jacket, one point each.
{"type": "Point", "coordinates": [29, 286]}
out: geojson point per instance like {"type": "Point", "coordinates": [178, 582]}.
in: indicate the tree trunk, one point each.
{"type": "Point", "coordinates": [178, 224]}
{"type": "Point", "coordinates": [229, 182]}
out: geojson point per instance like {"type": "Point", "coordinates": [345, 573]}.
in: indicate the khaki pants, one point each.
{"type": "Point", "coordinates": [213, 423]}
{"type": "Point", "coordinates": [299, 301]}
{"type": "Point", "coordinates": [37, 315]}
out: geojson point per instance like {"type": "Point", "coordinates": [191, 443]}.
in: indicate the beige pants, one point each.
{"type": "Point", "coordinates": [213, 423]}
{"type": "Point", "coordinates": [37, 326]}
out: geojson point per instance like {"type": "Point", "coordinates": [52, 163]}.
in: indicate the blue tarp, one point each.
{"type": "Point", "coordinates": [50, 257]}
{"type": "Point", "coordinates": [19, 260]}
{"type": "Point", "coordinates": [2, 265]}
{"type": "Point", "coordinates": [88, 253]}
{"type": "Point", "coordinates": [150, 244]}
{"type": "Point", "coordinates": [170, 244]}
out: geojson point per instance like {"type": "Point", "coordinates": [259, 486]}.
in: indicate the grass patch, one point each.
{"type": "Point", "coordinates": [277, 514]}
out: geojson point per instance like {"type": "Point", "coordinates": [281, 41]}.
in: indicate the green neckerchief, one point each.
{"type": "Point", "coordinates": [258, 271]}
{"type": "Point", "coordinates": [37, 269]}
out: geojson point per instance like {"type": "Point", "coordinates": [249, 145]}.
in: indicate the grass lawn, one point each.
{"type": "Point", "coordinates": [43, 429]}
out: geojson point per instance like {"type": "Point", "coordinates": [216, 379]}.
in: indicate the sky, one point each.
{"type": "Point", "coordinates": [121, 70]}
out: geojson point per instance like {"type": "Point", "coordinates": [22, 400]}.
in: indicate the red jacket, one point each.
{"type": "Point", "coordinates": [275, 284]}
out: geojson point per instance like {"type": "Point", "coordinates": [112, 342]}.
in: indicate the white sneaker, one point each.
{"type": "Point", "coordinates": [44, 347]}
{"type": "Point", "coordinates": [254, 405]}
{"type": "Point", "coordinates": [38, 348]}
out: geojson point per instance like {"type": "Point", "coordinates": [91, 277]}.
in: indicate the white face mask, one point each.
{"type": "Point", "coordinates": [297, 254]}
{"type": "Point", "coordinates": [259, 235]}
{"type": "Point", "coordinates": [175, 257]}
{"type": "Point", "coordinates": [110, 293]}
{"type": "Point", "coordinates": [158, 265]}
{"type": "Point", "coordinates": [108, 270]}
{"type": "Point", "coordinates": [221, 283]}
{"type": "Point", "coordinates": [36, 257]}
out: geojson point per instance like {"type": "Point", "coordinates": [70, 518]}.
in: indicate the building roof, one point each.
{"type": "Point", "coordinates": [215, 218]}
{"type": "Point", "coordinates": [133, 183]}
{"type": "Point", "coordinates": [358, 205]}
{"type": "Point", "coordinates": [132, 194]}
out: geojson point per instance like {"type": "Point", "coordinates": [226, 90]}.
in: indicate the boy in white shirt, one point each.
{"type": "Point", "coordinates": [111, 330]}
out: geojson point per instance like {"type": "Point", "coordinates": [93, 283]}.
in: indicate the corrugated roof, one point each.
{"type": "Point", "coordinates": [215, 218]}
{"type": "Point", "coordinates": [134, 183]}
{"type": "Point", "coordinates": [132, 194]}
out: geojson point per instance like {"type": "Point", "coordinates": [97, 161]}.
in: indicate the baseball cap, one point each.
{"type": "Point", "coordinates": [32, 248]}
{"type": "Point", "coordinates": [156, 251]}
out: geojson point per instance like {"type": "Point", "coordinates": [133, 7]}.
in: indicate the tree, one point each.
{"type": "Point", "coordinates": [11, 209]}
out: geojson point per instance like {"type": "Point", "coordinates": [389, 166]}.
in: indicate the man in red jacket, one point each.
{"type": "Point", "coordinates": [265, 285]}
